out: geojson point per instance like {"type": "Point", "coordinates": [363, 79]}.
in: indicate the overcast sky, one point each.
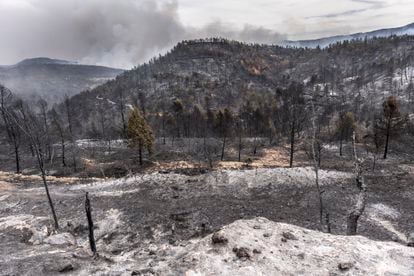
{"type": "Point", "coordinates": [124, 33]}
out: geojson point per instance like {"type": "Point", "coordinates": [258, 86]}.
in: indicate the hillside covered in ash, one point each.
{"type": "Point", "coordinates": [216, 74]}
{"type": "Point", "coordinates": [52, 79]}
{"type": "Point", "coordinates": [228, 222]}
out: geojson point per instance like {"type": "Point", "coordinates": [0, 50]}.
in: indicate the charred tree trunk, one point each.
{"type": "Point", "coordinates": [16, 153]}
{"type": "Point", "coordinates": [319, 156]}
{"type": "Point", "coordinates": [328, 223]}
{"type": "Point", "coordinates": [387, 138]}
{"type": "Point", "coordinates": [63, 152]}
{"type": "Point", "coordinates": [355, 214]}
{"type": "Point", "coordinates": [39, 156]}
{"type": "Point", "coordinates": [141, 162]}
{"type": "Point", "coordinates": [240, 147]}
{"type": "Point", "coordinates": [223, 148]}
{"type": "Point", "coordinates": [88, 210]}
{"type": "Point", "coordinates": [320, 192]}
{"type": "Point", "coordinates": [292, 143]}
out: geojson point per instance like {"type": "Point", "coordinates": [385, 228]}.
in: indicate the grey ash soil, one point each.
{"type": "Point", "coordinates": [169, 208]}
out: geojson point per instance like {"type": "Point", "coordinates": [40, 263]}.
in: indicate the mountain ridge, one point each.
{"type": "Point", "coordinates": [326, 41]}
{"type": "Point", "coordinates": [217, 73]}
{"type": "Point", "coordinates": [44, 60]}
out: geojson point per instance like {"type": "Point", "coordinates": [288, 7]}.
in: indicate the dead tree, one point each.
{"type": "Point", "coordinates": [355, 214]}
{"type": "Point", "coordinates": [316, 164]}
{"type": "Point", "coordinates": [391, 122]}
{"type": "Point", "coordinates": [31, 127]}
{"type": "Point", "coordinates": [13, 132]}
{"type": "Point", "coordinates": [88, 210]}
{"type": "Point", "coordinates": [293, 115]}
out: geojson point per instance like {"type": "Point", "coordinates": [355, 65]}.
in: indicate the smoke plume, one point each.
{"type": "Point", "coordinates": [120, 33]}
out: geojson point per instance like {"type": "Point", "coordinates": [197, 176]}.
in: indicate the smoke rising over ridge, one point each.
{"type": "Point", "coordinates": [119, 33]}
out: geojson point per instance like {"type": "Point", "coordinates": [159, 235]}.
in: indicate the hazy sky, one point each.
{"type": "Point", "coordinates": [124, 33]}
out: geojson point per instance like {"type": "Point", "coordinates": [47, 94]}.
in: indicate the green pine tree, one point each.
{"type": "Point", "coordinates": [140, 134]}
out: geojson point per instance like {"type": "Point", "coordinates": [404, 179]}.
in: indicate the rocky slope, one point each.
{"type": "Point", "coordinates": [245, 247]}
{"type": "Point", "coordinates": [262, 247]}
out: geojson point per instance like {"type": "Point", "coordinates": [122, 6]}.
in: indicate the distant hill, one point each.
{"type": "Point", "coordinates": [326, 41]}
{"type": "Point", "coordinates": [44, 60]}
{"type": "Point", "coordinates": [52, 79]}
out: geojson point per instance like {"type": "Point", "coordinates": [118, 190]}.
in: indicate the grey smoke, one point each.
{"type": "Point", "coordinates": [249, 33]}
{"type": "Point", "coordinates": [120, 33]}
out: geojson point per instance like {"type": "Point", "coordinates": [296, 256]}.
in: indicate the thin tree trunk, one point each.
{"type": "Point", "coordinates": [292, 143]}
{"type": "Point", "coordinates": [16, 153]}
{"type": "Point", "coordinates": [222, 148]}
{"type": "Point", "coordinates": [49, 198]}
{"type": "Point", "coordinates": [319, 157]}
{"type": "Point", "coordinates": [88, 210]}
{"type": "Point", "coordinates": [316, 169]}
{"type": "Point", "coordinates": [63, 153]}
{"type": "Point", "coordinates": [355, 214]}
{"type": "Point", "coordinates": [140, 155]}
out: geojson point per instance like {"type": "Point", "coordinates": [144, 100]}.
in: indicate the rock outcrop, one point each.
{"type": "Point", "coordinates": [290, 250]}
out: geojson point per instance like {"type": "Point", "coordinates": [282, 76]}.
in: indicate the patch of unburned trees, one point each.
{"type": "Point", "coordinates": [139, 134]}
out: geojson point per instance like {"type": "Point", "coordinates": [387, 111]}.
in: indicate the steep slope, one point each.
{"type": "Point", "coordinates": [326, 41]}
{"type": "Point", "coordinates": [52, 79]}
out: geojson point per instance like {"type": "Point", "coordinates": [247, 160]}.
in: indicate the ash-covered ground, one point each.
{"type": "Point", "coordinates": [145, 223]}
